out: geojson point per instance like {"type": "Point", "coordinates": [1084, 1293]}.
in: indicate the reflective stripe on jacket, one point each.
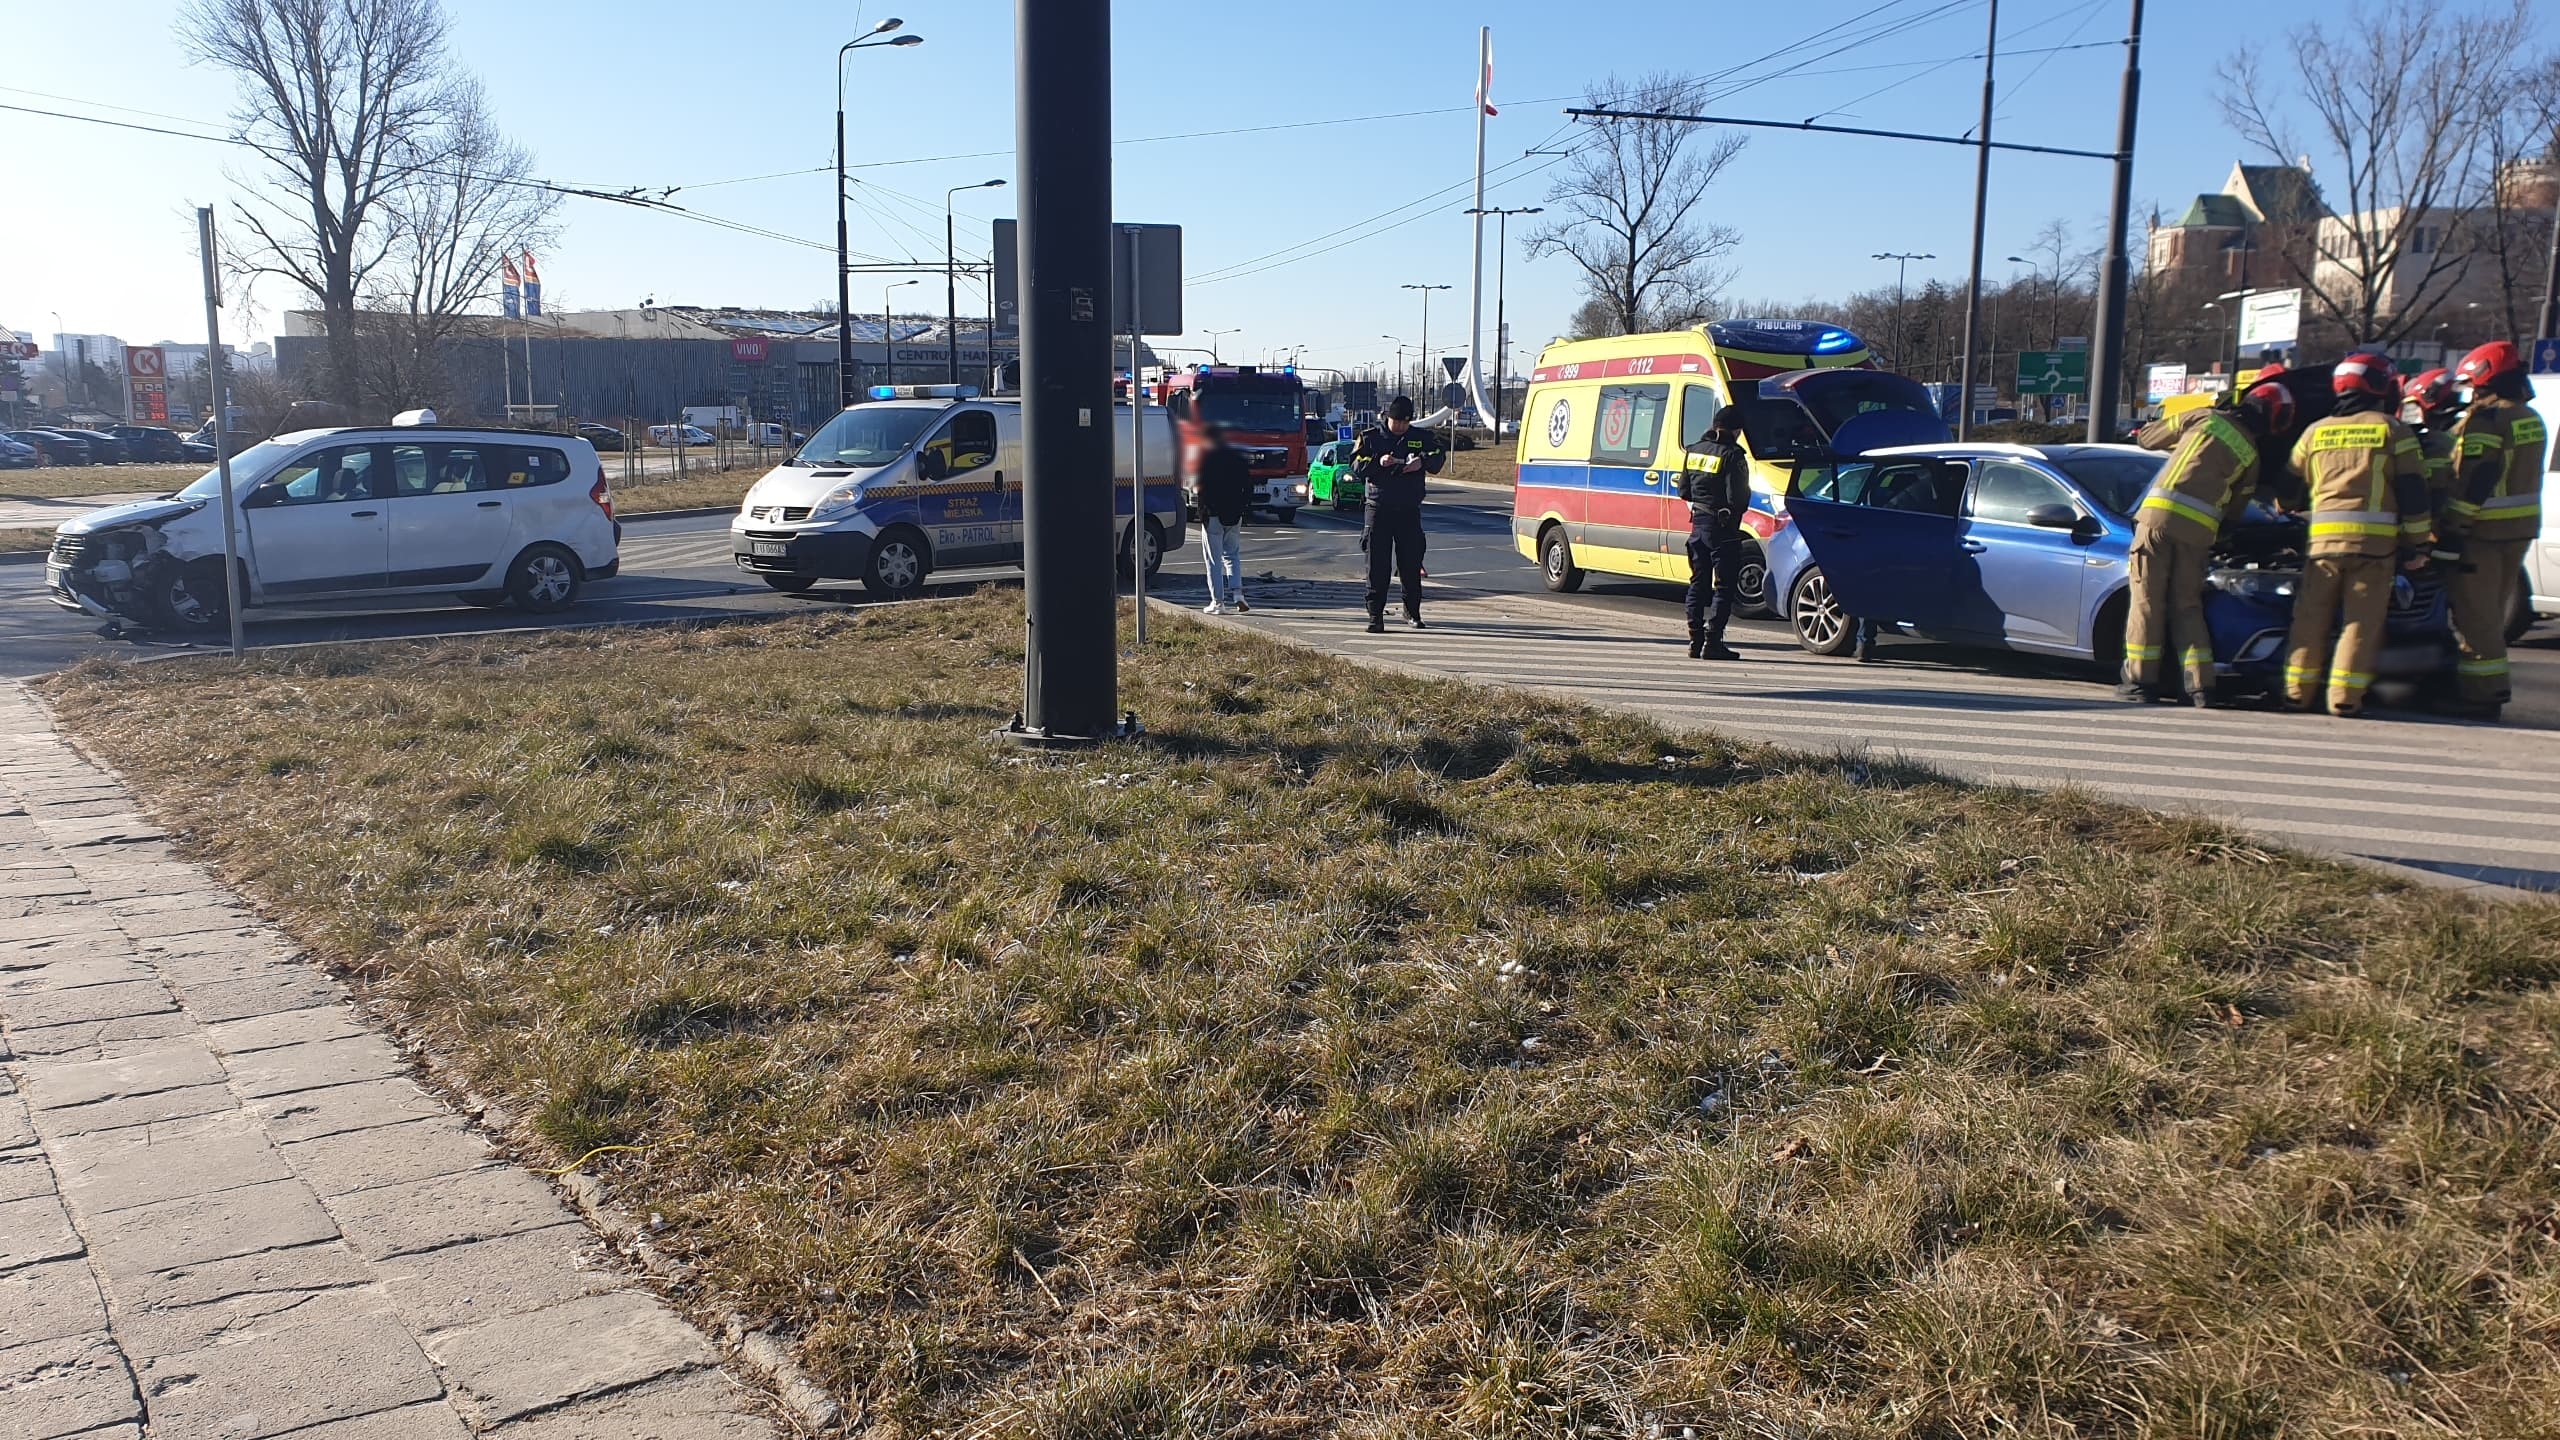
{"type": "Point", "coordinates": [2367, 478]}
{"type": "Point", "coordinates": [2497, 492]}
{"type": "Point", "coordinates": [2212, 472]}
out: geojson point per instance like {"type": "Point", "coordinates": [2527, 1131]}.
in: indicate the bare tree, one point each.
{"type": "Point", "coordinates": [347, 100]}
{"type": "Point", "coordinates": [1631, 200]}
{"type": "Point", "coordinates": [2523, 136]}
{"type": "Point", "coordinates": [446, 230]}
{"type": "Point", "coordinates": [2397, 101]}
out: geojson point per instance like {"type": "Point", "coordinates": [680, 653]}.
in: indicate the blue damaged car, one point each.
{"type": "Point", "coordinates": [2023, 548]}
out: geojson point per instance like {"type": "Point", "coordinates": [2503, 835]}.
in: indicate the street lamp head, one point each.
{"type": "Point", "coordinates": [992, 185]}
{"type": "Point", "coordinates": [908, 40]}
{"type": "Point", "coordinates": [885, 26]}
{"type": "Point", "coordinates": [2020, 260]}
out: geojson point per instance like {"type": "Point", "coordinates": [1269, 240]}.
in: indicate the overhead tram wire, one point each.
{"type": "Point", "coordinates": [1273, 260]}
{"type": "Point", "coordinates": [635, 198]}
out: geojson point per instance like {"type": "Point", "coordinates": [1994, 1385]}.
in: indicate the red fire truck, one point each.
{"type": "Point", "coordinates": [1261, 410]}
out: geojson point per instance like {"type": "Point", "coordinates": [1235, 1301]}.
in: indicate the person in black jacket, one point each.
{"type": "Point", "coordinates": [1716, 481]}
{"type": "Point", "coordinates": [1391, 460]}
{"type": "Point", "coordinates": [1223, 483]}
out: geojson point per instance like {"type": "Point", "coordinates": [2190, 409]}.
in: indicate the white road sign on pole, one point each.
{"type": "Point", "coordinates": [2270, 317]}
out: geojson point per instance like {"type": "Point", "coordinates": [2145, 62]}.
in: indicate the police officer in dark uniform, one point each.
{"type": "Point", "coordinates": [1716, 481]}
{"type": "Point", "coordinates": [1391, 459]}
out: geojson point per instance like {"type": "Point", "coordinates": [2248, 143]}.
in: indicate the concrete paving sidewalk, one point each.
{"type": "Point", "coordinates": [225, 1211]}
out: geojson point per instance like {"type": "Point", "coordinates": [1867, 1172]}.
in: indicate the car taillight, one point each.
{"type": "Point", "coordinates": [602, 494]}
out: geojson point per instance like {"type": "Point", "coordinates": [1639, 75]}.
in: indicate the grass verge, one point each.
{"type": "Point", "coordinates": [1366, 1055]}
{"type": "Point", "coordinates": [52, 482]}
{"type": "Point", "coordinates": [25, 541]}
{"type": "Point", "coordinates": [651, 493]}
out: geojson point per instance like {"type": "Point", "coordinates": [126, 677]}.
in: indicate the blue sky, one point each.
{"type": "Point", "coordinates": [98, 223]}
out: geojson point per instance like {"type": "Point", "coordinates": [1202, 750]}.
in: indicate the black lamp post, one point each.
{"type": "Point", "coordinates": [1901, 269]}
{"type": "Point", "coordinates": [951, 281]}
{"type": "Point", "coordinates": [888, 331]}
{"type": "Point", "coordinates": [844, 252]}
{"type": "Point", "coordinates": [1501, 282]}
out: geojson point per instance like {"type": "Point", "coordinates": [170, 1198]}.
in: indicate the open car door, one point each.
{"type": "Point", "coordinates": [1884, 529]}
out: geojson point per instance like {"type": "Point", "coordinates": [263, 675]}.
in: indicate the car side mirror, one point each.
{"type": "Point", "coordinates": [929, 465]}
{"type": "Point", "coordinates": [2053, 517]}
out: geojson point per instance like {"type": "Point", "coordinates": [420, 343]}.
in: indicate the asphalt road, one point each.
{"type": "Point", "coordinates": [2468, 801]}
{"type": "Point", "coordinates": [678, 568]}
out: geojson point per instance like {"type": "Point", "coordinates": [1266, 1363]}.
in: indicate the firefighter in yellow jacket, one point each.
{"type": "Point", "coordinates": [2212, 471]}
{"type": "Point", "coordinates": [2495, 511]}
{"type": "Point", "coordinates": [2428, 406]}
{"type": "Point", "coordinates": [2368, 511]}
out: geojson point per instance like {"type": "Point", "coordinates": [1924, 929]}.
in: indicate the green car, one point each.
{"type": "Point", "coordinates": [1329, 477]}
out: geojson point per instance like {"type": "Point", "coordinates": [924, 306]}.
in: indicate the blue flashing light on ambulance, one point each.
{"type": "Point", "coordinates": [1608, 421]}
{"type": "Point", "coordinates": [921, 478]}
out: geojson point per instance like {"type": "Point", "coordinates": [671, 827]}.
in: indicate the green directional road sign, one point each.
{"type": "Point", "coordinates": [2053, 372]}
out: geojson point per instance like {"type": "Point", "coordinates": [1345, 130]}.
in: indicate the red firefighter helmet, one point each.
{"type": "Point", "coordinates": [2366, 372]}
{"type": "Point", "coordinates": [2429, 390]}
{"type": "Point", "coordinates": [2272, 401]}
{"type": "Point", "coordinates": [2490, 363]}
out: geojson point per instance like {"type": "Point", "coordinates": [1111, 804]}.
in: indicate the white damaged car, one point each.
{"type": "Point", "coordinates": [489, 516]}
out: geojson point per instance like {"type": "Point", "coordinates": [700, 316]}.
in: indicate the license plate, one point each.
{"type": "Point", "coordinates": [769, 547]}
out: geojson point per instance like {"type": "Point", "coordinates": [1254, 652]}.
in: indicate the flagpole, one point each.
{"type": "Point", "coordinates": [1475, 267]}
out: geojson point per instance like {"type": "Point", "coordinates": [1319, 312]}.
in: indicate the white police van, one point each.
{"type": "Point", "coordinates": [922, 478]}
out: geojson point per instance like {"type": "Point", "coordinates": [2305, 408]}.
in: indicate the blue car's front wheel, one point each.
{"type": "Point", "coordinates": [1821, 626]}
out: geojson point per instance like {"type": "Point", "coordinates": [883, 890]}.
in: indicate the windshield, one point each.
{"type": "Point", "coordinates": [247, 468]}
{"type": "Point", "coordinates": [867, 436]}
{"type": "Point", "coordinates": [2115, 479]}
{"type": "Point", "coordinates": [1275, 411]}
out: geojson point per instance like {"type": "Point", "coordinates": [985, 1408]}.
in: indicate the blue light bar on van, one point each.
{"type": "Point", "coordinates": [924, 392]}
{"type": "Point", "coordinates": [1832, 342]}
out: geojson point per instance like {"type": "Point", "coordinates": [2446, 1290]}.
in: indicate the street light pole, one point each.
{"type": "Point", "coordinates": [951, 279]}
{"type": "Point", "coordinates": [1062, 150]}
{"type": "Point", "coordinates": [1400, 375]}
{"type": "Point", "coordinates": [2035, 272]}
{"type": "Point", "coordinates": [844, 252]}
{"type": "Point", "coordinates": [1901, 268]}
{"type": "Point", "coordinates": [889, 341]}
{"type": "Point", "coordinates": [1981, 204]}
{"type": "Point", "coordinates": [1501, 282]}
{"type": "Point", "coordinates": [2116, 277]}
{"type": "Point", "coordinates": [1213, 340]}
{"type": "Point", "coordinates": [1426, 336]}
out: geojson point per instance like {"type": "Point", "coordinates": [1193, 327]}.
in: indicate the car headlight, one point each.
{"type": "Point", "coordinates": [836, 501]}
{"type": "Point", "coordinates": [2266, 587]}
{"type": "Point", "coordinates": [1297, 489]}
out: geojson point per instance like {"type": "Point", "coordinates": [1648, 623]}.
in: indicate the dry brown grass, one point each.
{"type": "Point", "coordinates": [25, 541]}
{"type": "Point", "coordinates": [1495, 466]}
{"type": "Point", "coordinates": [653, 493]}
{"type": "Point", "coordinates": [1373, 1056]}
{"type": "Point", "coordinates": [52, 482]}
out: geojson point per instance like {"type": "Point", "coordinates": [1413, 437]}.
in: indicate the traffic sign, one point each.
{"type": "Point", "coordinates": [1453, 395]}
{"type": "Point", "coordinates": [1456, 365]}
{"type": "Point", "coordinates": [2270, 317]}
{"type": "Point", "coordinates": [2546, 357]}
{"type": "Point", "coordinates": [2053, 372]}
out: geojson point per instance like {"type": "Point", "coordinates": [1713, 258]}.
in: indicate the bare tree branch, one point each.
{"type": "Point", "coordinates": [1631, 198]}
{"type": "Point", "coordinates": [347, 99]}
{"type": "Point", "coordinates": [2396, 102]}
